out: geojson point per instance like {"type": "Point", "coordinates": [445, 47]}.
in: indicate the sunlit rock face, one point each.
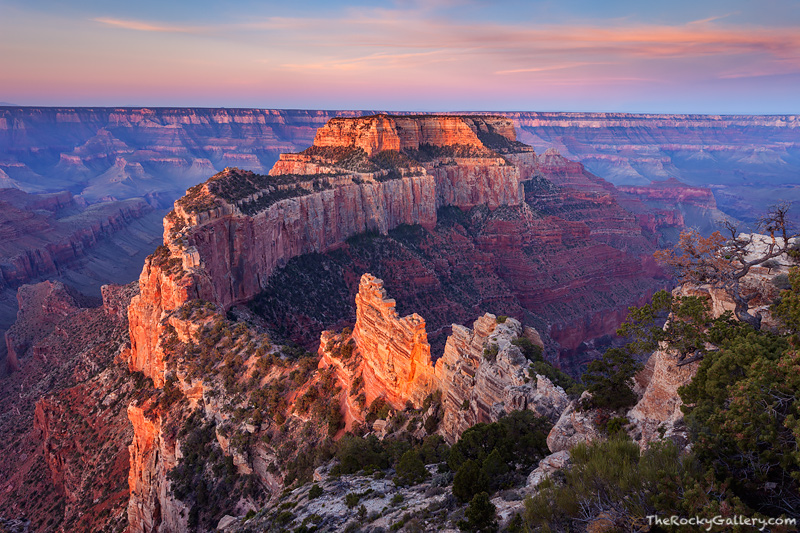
{"type": "Point", "coordinates": [393, 360]}
{"type": "Point", "coordinates": [399, 363]}
{"type": "Point", "coordinates": [369, 176]}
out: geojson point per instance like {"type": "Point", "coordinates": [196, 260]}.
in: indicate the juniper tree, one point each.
{"type": "Point", "coordinates": [723, 259]}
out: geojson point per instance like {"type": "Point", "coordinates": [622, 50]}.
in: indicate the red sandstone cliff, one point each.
{"type": "Point", "coordinates": [227, 236]}
{"type": "Point", "coordinates": [399, 363]}
{"type": "Point", "coordinates": [217, 252]}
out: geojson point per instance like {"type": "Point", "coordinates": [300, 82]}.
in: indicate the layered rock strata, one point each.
{"type": "Point", "coordinates": [227, 236]}
{"type": "Point", "coordinates": [63, 458]}
{"type": "Point", "coordinates": [217, 252]}
{"type": "Point", "coordinates": [41, 235]}
{"type": "Point", "coordinates": [399, 366]}
{"type": "Point", "coordinates": [482, 375]}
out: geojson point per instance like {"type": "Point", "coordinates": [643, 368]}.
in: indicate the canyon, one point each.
{"type": "Point", "coordinates": [452, 215]}
{"type": "Point", "coordinates": [130, 152]}
{"type": "Point", "coordinates": [112, 156]}
{"type": "Point", "coordinates": [227, 240]}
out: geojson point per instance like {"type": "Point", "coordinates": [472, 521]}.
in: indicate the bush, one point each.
{"type": "Point", "coordinates": [520, 438]}
{"type": "Point", "coordinates": [781, 281]}
{"type": "Point", "coordinates": [481, 515]}
{"type": "Point", "coordinates": [616, 425]}
{"type": "Point", "coordinates": [351, 499]}
{"type": "Point", "coordinates": [609, 380]}
{"type": "Point", "coordinates": [378, 409]}
{"type": "Point", "coordinates": [432, 423]}
{"type": "Point", "coordinates": [410, 469]}
{"type": "Point", "coordinates": [614, 477]}
{"type": "Point", "coordinates": [356, 453]}
{"type": "Point", "coordinates": [490, 352]}
{"type": "Point", "coordinates": [334, 419]}
{"type": "Point", "coordinates": [532, 352]}
{"type": "Point", "coordinates": [315, 492]}
{"type": "Point", "coordinates": [501, 319]}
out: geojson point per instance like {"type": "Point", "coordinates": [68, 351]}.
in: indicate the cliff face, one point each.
{"type": "Point", "coordinates": [64, 451]}
{"type": "Point", "coordinates": [477, 389]}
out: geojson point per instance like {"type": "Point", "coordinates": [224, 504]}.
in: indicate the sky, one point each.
{"type": "Point", "coordinates": [682, 56]}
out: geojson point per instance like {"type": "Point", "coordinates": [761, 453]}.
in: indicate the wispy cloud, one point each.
{"type": "Point", "coordinates": [545, 69]}
{"type": "Point", "coordinates": [148, 26]}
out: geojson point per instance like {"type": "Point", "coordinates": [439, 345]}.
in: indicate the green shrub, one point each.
{"type": "Point", "coordinates": [315, 492]}
{"type": "Point", "coordinates": [616, 425]}
{"type": "Point", "coordinates": [469, 480]}
{"type": "Point", "coordinates": [614, 477]}
{"type": "Point", "coordinates": [532, 352]}
{"type": "Point", "coordinates": [501, 319]}
{"type": "Point", "coordinates": [356, 453]}
{"type": "Point", "coordinates": [490, 352]}
{"type": "Point", "coordinates": [351, 499]}
{"type": "Point", "coordinates": [609, 380]}
{"type": "Point", "coordinates": [410, 469]}
{"type": "Point", "coordinates": [481, 515]}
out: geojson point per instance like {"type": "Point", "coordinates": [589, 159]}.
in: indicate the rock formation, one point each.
{"type": "Point", "coordinates": [481, 376]}
{"type": "Point", "coordinates": [477, 389]}
{"type": "Point", "coordinates": [573, 427]}
{"type": "Point", "coordinates": [225, 237]}
{"type": "Point", "coordinates": [399, 362]}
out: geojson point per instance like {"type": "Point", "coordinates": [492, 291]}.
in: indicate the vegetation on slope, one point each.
{"type": "Point", "coordinates": [741, 412]}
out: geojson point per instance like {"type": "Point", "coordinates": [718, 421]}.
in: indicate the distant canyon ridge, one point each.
{"type": "Point", "coordinates": [119, 153]}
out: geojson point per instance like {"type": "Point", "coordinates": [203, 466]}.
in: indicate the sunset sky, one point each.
{"type": "Point", "coordinates": [692, 56]}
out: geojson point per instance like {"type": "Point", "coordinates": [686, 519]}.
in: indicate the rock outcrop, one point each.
{"type": "Point", "coordinates": [225, 237]}
{"type": "Point", "coordinates": [573, 427]}
{"type": "Point", "coordinates": [548, 465]}
{"type": "Point", "coordinates": [399, 363]}
{"type": "Point", "coordinates": [153, 453]}
{"type": "Point", "coordinates": [481, 377]}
